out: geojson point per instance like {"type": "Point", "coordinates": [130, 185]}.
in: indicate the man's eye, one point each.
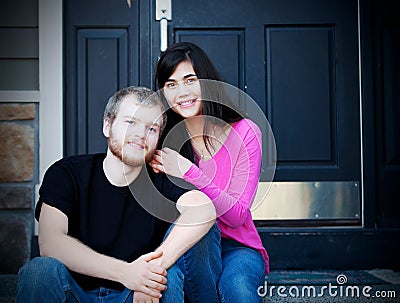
{"type": "Point", "coordinates": [152, 129]}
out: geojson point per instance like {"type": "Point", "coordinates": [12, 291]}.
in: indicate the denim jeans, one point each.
{"type": "Point", "coordinates": [243, 271]}
{"type": "Point", "coordinates": [195, 275]}
{"type": "Point", "coordinates": [46, 279]}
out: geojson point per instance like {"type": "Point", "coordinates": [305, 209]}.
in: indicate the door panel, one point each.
{"type": "Point", "coordinates": [230, 62]}
{"type": "Point", "coordinates": [300, 74]}
{"type": "Point", "coordinates": [387, 80]}
{"type": "Point", "coordinates": [101, 57]}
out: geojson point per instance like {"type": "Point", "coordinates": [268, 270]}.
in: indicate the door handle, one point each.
{"type": "Point", "coordinates": [163, 14]}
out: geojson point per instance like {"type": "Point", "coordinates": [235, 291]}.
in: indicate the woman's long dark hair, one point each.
{"type": "Point", "coordinates": [217, 113]}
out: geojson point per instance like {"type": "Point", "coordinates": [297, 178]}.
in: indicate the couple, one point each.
{"type": "Point", "coordinates": [97, 240]}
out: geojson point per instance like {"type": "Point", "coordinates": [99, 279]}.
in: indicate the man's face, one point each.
{"type": "Point", "coordinates": [134, 133]}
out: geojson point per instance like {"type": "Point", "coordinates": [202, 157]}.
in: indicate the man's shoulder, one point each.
{"type": "Point", "coordinates": [171, 187]}
{"type": "Point", "coordinates": [78, 163]}
{"type": "Point", "coordinates": [76, 160]}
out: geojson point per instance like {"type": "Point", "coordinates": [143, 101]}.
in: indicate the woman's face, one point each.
{"type": "Point", "coordinates": [183, 92]}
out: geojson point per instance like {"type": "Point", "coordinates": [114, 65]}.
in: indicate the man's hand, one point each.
{"type": "Point", "coordinates": [143, 276]}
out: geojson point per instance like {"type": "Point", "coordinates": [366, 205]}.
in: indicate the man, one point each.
{"type": "Point", "coordinates": [97, 240]}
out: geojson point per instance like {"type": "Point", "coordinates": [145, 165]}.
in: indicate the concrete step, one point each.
{"type": "Point", "coordinates": [8, 287]}
{"type": "Point", "coordinates": [331, 286]}
{"type": "Point", "coordinates": [301, 286]}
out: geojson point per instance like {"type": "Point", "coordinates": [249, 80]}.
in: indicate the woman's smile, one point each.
{"type": "Point", "coordinates": [187, 103]}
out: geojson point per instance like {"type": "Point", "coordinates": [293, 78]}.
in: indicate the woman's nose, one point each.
{"type": "Point", "coordinates": [183, 89]}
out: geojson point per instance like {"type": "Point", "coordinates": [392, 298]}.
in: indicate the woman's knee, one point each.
{"type": "Point", "coordinates": [239, 287]}
{"type": "Point", "coordinates": [175, 274]}
{"type": "Point", "coordinates": [211, 242]}
{"type": "Point", "coordinates": [243, 273]}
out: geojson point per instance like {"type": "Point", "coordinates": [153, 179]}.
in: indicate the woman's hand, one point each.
{"type": "Point", "coordinates": [145, 276]}
{"type": "Point", "coordinates": [170, 162]}
{"type": "Point", "coordinates": [139, 297]}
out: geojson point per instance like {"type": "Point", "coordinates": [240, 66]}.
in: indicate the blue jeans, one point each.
{"type": "Point", "coordinates": [195, 275]}
{"type": "Point", "coordinates": [243, 271]}
{"type": "Point", "coordinates": [45, 279]}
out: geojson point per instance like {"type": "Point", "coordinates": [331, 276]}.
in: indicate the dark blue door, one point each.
{"type": "Point", "coordinates": [299, 61]}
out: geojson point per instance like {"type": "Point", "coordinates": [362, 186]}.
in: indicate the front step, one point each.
{"type": "Point", "coordinates": [282, 285]}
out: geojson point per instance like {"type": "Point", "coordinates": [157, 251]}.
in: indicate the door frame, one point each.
{"type": "Point", "coordinates": [51, 113]}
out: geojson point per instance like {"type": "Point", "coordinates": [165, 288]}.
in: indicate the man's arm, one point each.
{"type": "Point", "coordinates": [54, 241]}
{"type": "Point", "coordinates": [197, 217]}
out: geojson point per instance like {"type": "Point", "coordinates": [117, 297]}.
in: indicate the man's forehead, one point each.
{"type": "Point", "coordinates": [130, 107]}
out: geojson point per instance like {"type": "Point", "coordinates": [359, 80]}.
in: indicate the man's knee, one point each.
{"type": "Point", "coordinates": [42, 270]}
{"type": "Point", "coordinates": [41, 280]}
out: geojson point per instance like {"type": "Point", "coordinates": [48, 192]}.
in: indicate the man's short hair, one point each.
{"type": "Point", "coordinates": [143, 95]}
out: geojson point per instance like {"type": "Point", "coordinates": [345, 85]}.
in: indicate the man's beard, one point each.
{"type": "Point", "coordinates": [117, 150]}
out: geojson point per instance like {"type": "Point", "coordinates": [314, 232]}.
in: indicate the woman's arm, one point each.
{"type": "Point", "coordinates": [196, 219]}
{"type": "Point", "coordinates": [233, 204]}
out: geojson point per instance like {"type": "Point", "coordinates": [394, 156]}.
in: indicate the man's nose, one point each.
{"type": "Point", "coordinates": [139, 130]}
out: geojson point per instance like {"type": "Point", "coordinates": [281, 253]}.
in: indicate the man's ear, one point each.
{"type": "Point", "coordinates": [106, 127]}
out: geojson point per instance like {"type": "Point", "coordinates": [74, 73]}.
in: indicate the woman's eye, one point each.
{"type": "Point", "coordinates": [191, 80]}
{"type": "Point", "coordinates": [170, 85]}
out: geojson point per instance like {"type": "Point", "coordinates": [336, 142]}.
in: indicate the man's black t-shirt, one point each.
{"type": "Point", "coordinates": [105, 217]}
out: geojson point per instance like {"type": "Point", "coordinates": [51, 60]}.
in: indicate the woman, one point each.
{"type": "Point", "coordinates": [221, 157]}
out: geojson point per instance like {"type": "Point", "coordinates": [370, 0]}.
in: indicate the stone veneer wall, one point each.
{"type": "Point", "coordinates": [18, 176]}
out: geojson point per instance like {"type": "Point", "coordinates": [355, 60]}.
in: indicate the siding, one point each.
{"type": "Point", "coordinates": [19, 50]}
{"type": "Point", "coordinates": [19, 128]}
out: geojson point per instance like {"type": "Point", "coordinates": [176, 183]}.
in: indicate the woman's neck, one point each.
{"type": "Point", "coordinates": [195, 126]}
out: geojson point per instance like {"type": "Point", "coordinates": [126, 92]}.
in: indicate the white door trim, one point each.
{"type": "Point", "coordinates": [50, 87]}
{"type": "Point", "coordinates": [50, 84]}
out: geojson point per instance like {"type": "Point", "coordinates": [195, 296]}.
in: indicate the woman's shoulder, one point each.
{"type": "Point", "coordinates": [245, 126]}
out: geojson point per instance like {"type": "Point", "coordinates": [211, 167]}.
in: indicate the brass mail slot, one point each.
{"type": "Point", "coordinates": [307, 200]}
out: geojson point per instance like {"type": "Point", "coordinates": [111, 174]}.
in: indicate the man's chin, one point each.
{"type": "Point", "coordinates": [133, 162]}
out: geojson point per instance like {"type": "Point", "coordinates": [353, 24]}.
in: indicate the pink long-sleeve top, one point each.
{"type": "Point", "coordinates": [230, 179]}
